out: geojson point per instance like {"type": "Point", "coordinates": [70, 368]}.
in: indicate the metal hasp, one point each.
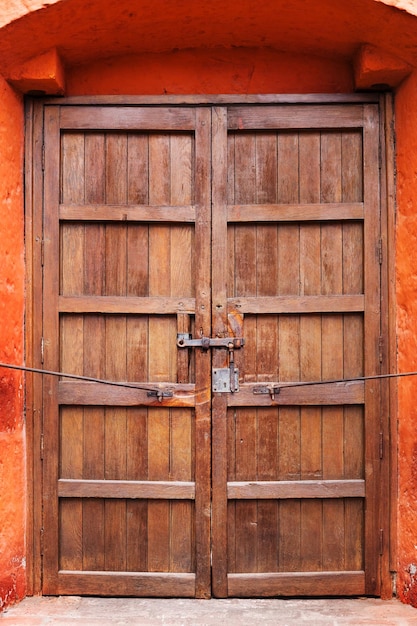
{"type": "Point", "coordinates": [225, 380]}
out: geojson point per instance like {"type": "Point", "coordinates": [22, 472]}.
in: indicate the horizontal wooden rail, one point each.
{"type": "Point", "coordinates": [159, 490]}
{"type": "Point", "coordinates": [298, 304]}
{"type": "Point", "coordinates": [153, 305]}
{"type": "Point", "coordinates": [110, 583]}
{"type": "Point", "coordinates": [127, 213]}
{"type": "Point", "coordinates": [295, 212]}
{"type": "Point", "coordinates": [295, 117]}
{"type": "Point", "coordinates": [127, 118]}
{"type": "Point", "coordinates": [99, 394]}
{"type": "Point", "coordinates": [294, 489]}
{"type": "Point", "coordinates": [318, 394]}
{"type": "Point", "coordinates": [297, 584]}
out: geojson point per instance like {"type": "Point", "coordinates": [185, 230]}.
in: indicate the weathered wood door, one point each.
{"type": "Point", "coordinates": [260, 223]}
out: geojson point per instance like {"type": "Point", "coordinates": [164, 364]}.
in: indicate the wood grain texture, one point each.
{"type": "Point", "coordinates": [296, 276]}
{"type": "Point", "coordinates": [251, 221]}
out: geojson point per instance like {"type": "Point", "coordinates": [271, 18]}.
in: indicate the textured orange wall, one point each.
{"type": "Point", "coordinates": [406, 265]}
{"type": "Point", "coordinates": [202, 71]}
{"type": "Point", "coordinates": [218, 70]}
{"type": "Point", "coordinates": [12, 449]}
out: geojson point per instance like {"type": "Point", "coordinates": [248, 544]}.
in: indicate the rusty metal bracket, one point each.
{"type": "Point", "coordinates": [160, 394]}
{"type": "Point", "coordinates": [265, 390]}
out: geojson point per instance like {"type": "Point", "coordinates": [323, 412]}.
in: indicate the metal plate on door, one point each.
{"type": "Point", "coordinates": [221, 380]}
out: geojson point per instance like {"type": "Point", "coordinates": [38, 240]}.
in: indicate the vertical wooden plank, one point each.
{"type": "Point", "coordinates": [72, 173]}
{"type": "Point", "coordinates": [137, 352]}
{"type": "Point", "coordinates": [309, 144]}
{"type": "Point", "coordinates": [116, 168]}
{"type": "Point", "coordinates": [332, 353]}
{"type": "Point", "coordinates": [219, 326]}
{"type": "Point", "coordinates": [310, 352]}
{"type": "Point", "coordinates": [95, 188]}
{"type": "Point", "coordinates": [94, 353]}
{"type": "Point", "coordinates": [245, 285]}
{"type": "Point", "coordinates": [267, 454]}
{"type": "Point", "coordinates": [116, 193]}
{"type": "Point", "coordinates": [95, 164]}
{"type": "Point", "coordinates": [115, 447]}
{"type": "Point", "coordinates": [71, 466]}
{"type": "Point", "coordinates": [138, 168]}
{"type": "Point", "coordinates": [372, 332]}
{"type": "Point", "coordinates": [203, 264]}
{"type": "Point", "coordinates": [289, 469]}
{"type": "Point", "coordinates": [230, 279]}
{"type": "Point", "coordinates": [231, 476]}
{"type": "Point", "coordinates": [137, 469]}
{"type": "Point", "coordinates": [52, 196]}
{"type": "Point", "coordinates": [352, 170]}
{"type": "Point", "coordinates": [266, 268]}
{"type": "Point", "coordinates": [93, 509]}
{"type": "Point", "coordinates": [182, 259]}
{"type": "Point", "coordinates": [181, 279]}
{"type": "Point", "coordinates": [137, 349]}
{"type": "Point", "coordinates": [71, 448]}
{"type": "Point", "coordinates": [115, 418]}
{"type": "Point", "coordinates": [246, 511]}
{"type": "Point", "coordinates": [138, 234]}
{"type": "Point", "coordinates": [71, 349]}
{"type": "Point", "coordinates": [353, 330]}
{"type": "Point", "coordinates": [115, 469]}
{"type": "Point", "coordinates": [288, 168]}
{"type": "Point", "coordinates": [181, 168]}
{"type": "Point", "coordinates": [181, 457]}
{"type": "Point", "coordinates": [159, 367]}
{"type": "Point", "coordinates": [158, 469]}
{"type": "Point", "coordinates": [289, 337]}
{"type": "Point", "coordinates": [354, 468]}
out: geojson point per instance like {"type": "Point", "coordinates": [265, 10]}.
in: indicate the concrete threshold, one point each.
{"type": "Point", "coordinates": [73, 611]}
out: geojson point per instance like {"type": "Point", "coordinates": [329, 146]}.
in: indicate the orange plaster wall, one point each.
{"type": "Point", "coordinates": [12, 448]}
{"type": "Point", "coordinates": [202, 71]}
{"type": "Point", "coordinates": [219, 70]}
{"type": "Point", "coordinates": [406, 281]}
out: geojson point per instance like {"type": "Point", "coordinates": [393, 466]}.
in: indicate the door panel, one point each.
{"type": "Point", "coordinates": [128, 219]}
{"type": "Point", "coordinates": [253, 222]}
{"type": "Point", "coordinates": [302, 228]}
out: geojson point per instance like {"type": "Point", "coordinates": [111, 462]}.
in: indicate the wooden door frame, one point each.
{"type": "Point", "coordinates": [34, 112]}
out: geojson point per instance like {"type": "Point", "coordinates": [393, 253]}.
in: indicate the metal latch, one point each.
{"type": "Point", "coordinates": [225, 380]}
{"type": "Point", "coordinates": [160, 394]}
{"type": "Point", "coordinates": [184, 340]}
{"type": "Point", "coordinates": [272, 391]}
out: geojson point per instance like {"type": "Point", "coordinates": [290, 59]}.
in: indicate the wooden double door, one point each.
{"type": "Point", "coordinates": [208, 259]}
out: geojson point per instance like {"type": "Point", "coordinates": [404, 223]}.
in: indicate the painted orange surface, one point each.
{"type": "Point", "coordinates": [85, 32]}
{"type": "Point", "coordinates": [406, 280]}
{"type": "Point", "coordinates": [222, 46]}
{"type": "Point", "coordinates": [240, 70]}
{"type": "Point", "coordinates": [12, 448]}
